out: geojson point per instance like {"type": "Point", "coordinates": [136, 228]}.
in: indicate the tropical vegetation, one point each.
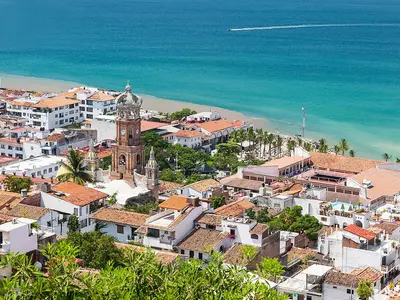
{"type": "Point", "coordinates": [16, 184]}
{"type": "Point", "coordinates": [127, 274]}
{"type": "Point", "coordinates": [75, 169]}
{"type": "Point", "coordinates": [364, 290]}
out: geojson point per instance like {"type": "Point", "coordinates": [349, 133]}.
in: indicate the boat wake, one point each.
{"type": "Point", "coordinates": [314, 26]}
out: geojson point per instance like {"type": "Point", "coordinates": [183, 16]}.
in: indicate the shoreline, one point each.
{"type": "Point", "coordinates": [149, 102]}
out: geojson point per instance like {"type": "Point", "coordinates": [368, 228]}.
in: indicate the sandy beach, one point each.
{"type": "Point", "coordinates": [149, 102]}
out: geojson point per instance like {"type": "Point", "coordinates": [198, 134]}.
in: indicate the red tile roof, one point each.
{"type": "Point", "coordinates": [188, 133]}
{"type": "Point", "coordinates": [361, 232]}
{"type": "Point", "coordinates": [214, 126]}
{"type": "Point", "coordinates": [119, 216]}
{"type": "Point", "coordinates": [149, 125]}
{"type": "Point", "coordinates": [77, 194]}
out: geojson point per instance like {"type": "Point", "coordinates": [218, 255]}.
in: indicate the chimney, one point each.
{"type": "Point", "coordinates": [45, 187]}
{"type": "Point", "coordinates": [8, 206]}
{"type": "Point", "coordinates": [24, 193]}
{"type": "Point", "coordinates": [14, 221]}
{"type": "Point", "coordinates": [193, 201]}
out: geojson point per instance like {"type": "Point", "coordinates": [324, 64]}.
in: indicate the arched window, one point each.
{"type": "Point", "coordinates": [122, 160]}
{"type": "Point", "coordinates": [254, 236]}
{"type": "Point", "coordinates": [138, 158]}
{"type": "Point", "coordinates": [221, 249]}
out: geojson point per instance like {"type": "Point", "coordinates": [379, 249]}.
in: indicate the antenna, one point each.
{"type": "Point", "coordinates": [304, 121]}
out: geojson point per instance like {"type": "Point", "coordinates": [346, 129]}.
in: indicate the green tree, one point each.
{"type": "Point", "coordinates": [180, 114]}
{"type": "Point", "coordinates": [386, 156]}
{"type": "Point", "coordinates": [113, 199]}
{"type": "Point", "coordinates": [364, 290]}
{"type": "Point", "coordinates": [352, 153]}
{"type": "Point", "coordinates": [194, 178]}
{"type": "Point", "coordinates": [172, 176]}
{"type": "Point", "coordinates": [75, 169]}
{"type": "Point", "coordinates": [323, 146]}
{"type": "Point", "coordinates": [251, 214]}
{"type": "Point", "coordinates": [228, 148]}
{"type": "Point", "coordinates": [217, 201]}
{"type": "Point", "coordinates": [263, 216]}
{"type": "Point", "coordinates": [259, 138]}
{"type": "Point", "coordinates": [291, 144]}
{"type": "Point", "coordinates": [249, 253]}
{"type": "Point", "coordinates": [271, 269]}
{"type": "Point", "coordinates": [308, 147]}
{"type": "Point", "coordinates": [105, 162]}
{"type": "Point", "coordinates": [15, 184]}
{"type": "Point", "coordinates": [251, 136]}
{"type": "Point", "coordinates": [96, 249]}
{"type": "Point", "coordinates": [344, 146]}
{"type": "Point", "coordinates": [73, 224]}
{"type": "Point", "coordinates": [337, 149]}
{"type": "Point", "coordinates": [397, 160]}
{"type": "Point", "coordinates": [270, 141]}
{"type": "Point", "coordinates": [279, 144]}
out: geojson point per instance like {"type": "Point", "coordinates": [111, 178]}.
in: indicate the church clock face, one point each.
{"type": "Point", "coordinates": [123, 131]}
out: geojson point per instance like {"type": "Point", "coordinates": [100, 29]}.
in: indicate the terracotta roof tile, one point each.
{"type": "Point", "coordinates": [162, 257]}
{"type": "Point", "coordinates": [101, 97]}
{"type": "Point", "coordinates": [335, 277]}
{"type": "Point", "coordinates": [55, 137]}
{"type": "Point", "coordinates": [188, 133]}
{"type": "Point", "coordinates": [245, 184]}
{"type": "Point", "coordinates": [214, 126]}
{"type": "Point", "coordinates": [175, 202]}
{"type": "Point", "coordinates": [234, 209]}
{"type": "Point", "coordinates": [119, 216]}
{"type": "Point", "coordinates": [166, 186]}
{"type": "Point", "coordinates": [199, 239]}
{"type": "Point", "coordinates": [210, 219]}
{"type": "Point", "coordinates": [367, 274]}
{"type": "Point", "coordinates": [46, 103]}
{"type": "Point", "coordinates": [342, 163]}
{"type": "Point", "coordinates": [361, 232]}
{"type": "Point", "coordinates": [9, 198]}
{"type": "Point", "coordinates": [5, 219]}
{"type": "Point", "coordinates": [387, 227]}
{"type": "Point", "coordinates": [77, 194]}
{"type": "Point", "coordinates": [234, 255]}
{"type": "Point", "coordinates": [26, 211]}
{"type": "Point", "coordinates": [149, 125]}
{"type": "Point", "coordinates": [259, 229]}
{"type": "Point", "coordinates": [204, 185]}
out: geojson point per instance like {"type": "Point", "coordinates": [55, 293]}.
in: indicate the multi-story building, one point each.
{"type": "Point", "coordinates": [72, 199]}
{"type": "Point", "coordinates": [92, 101]}
{"type": "Point", "coordinates": [45, 166]}
{"type": "Point", "coordinates": [47, 113]}
{"type": "Point", "coordinates": [186, 138]}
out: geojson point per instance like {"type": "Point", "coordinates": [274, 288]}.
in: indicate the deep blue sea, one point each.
{"type": "Point", "coordinates": [347, 77]}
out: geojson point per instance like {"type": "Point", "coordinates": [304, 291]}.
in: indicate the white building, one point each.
{"type": "Point", "coordinates": [47, 113]}
{"type": "Point", "coordinates": [339, 285]}
{"type": "Point", "coordinates": [118, 223]}
{"type": "Point", "coordinates": [72, 199]}
{"type": "Point", "coordinates": [46, 166]}
{"type": "Point", "coordinates": [307, 284]}
{"type": "Point", "coordinates": [16, 235]}
{"type": "Point", "coordinates": [167, 228]}
{"type": "Point", "coordinates": [186, 138]}
{"type": "Point", "coordinates": [204, 190]}
{"type": "Point", "coordinates": [204, 117]}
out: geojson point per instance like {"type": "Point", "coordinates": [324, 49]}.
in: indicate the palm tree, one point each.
{"type": "Point", "coordinates": [386, 156]}
{"type": "Point", "coordinates": [308, 147]}
{"type": "Point", "coordinates": [270, 141]}
{"type": "Point", "coordinates": [344, 146]}
{"type": "Point", "coordinates": [259, 136]}
{"type": "Point", "coordinates": [251, 136]}
{"type": "Point", "coordinates": [397, 160]}
{"type": "Point", "coordinates": [323, 146]}
{"type": "Point", "coordinates": [352, 153]}
{"type": "Point", "coordinates": [75, 169]}
{"type": "Point", "coordinates": [279, 144]}
{"type": "Point", "coordinates": [337, 149]}
{"type": "Point", "coordinates": [265, 141]}
{"type": "Point", "coordinates": [291, 144]}
{"type": "Point", "coordinates": [299, 141]}
{"type": "Point", "coordinates": [240, 137]}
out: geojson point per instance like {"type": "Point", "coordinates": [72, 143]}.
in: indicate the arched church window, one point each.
{"type": "Point", "coordinates": [138, 158]}
{"type": "Point", "coordinates": [122, 160]}
{"type": "Point", "coordinates": [130, 133]}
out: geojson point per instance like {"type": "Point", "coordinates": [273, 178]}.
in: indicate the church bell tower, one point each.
{"type": "Point", "coordinates": [128, 152]}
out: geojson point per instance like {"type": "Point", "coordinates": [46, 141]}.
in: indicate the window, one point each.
{"type": "Point", "coordinates": [76, 211]}
{"type": "Point", "coordinates": [89, 109]}
{"type": "Point", "coordinates": [2, 146]}
{"type": "Point", "coordinates": [208, 226]}
{"type": "Point", "coordinates": [191, 254]}
{"type": "Point", "coordinates": [84, 223]}
{"type": "Point", "coordinates": [44, 171]}
{"type": "Point", "coordinates": [89, 116]}
{"type": "Point", "coordinates": [120, 229]}
{"type": "Point", "coordinates": [50, 170]}
{"type": "Point", "coordinates": [89, 102]}
{"type": "Point", "coordinates": [153, 232]}
{"type": "Point", "coordinates": [335, 287]}
{"type": "Point", "coordinates": [55, 168]}
{"type": "Point", "coordinates": [39, 173]}
{"type": "Point", "coordinates": [82, 101]}
{"type": "Point", "coordinates": [56, 122]}
{"type": "Point", "coordinates": [87, 209]}
{"type": "Point", "coordinates": [9, 147]}
{"type": "Point", "coordinates": [348, 291]}
{"type": "Point", "coordinates": [232, 232]}
{"type": "Point", "coordinates": [323, 219]}
{"type": "Point", "coordinates": [61, 122]}
{"type": "Point", "coordinates": [81, 211]}
{"type": "Point", "coordinates": [200, 256]}
{"type": "Point", "coordinates": [81, 108]}
{"type": "Point", "coordinates": [254, 236]}
{"type": "Point", "coordinates": [182, 251]}
{"type": "Point", "coordinates": [309, 297]}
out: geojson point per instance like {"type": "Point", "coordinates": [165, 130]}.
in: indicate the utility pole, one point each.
{"type": "Point", "coordinates": [304, 121]}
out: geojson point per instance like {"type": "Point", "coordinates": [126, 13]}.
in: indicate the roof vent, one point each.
{"type": "Point", "coordinates": [367, 183]}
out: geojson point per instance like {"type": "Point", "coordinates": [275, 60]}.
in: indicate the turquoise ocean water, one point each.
{"type": "Point", "coordinates": [347, 77]}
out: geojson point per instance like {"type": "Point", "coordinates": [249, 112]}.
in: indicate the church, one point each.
{"type": "Point", "coordinates": [129, 175]}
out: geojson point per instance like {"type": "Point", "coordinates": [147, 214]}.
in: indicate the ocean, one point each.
{"type": "Point", "coordinates": [347, 77]}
